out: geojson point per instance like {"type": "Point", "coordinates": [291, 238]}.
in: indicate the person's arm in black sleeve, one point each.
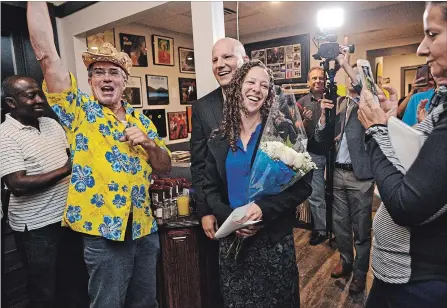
{"type": "Point", "coordinates": [212, 185]}
{"type": "Point", "coordinates": [199, 150]}
{"type": "Point", "coordinates": [416, 196]}
{"type": "Point", "coordinates": [275, 206]}
{"type": "Point", "coordinates": [321, 133]}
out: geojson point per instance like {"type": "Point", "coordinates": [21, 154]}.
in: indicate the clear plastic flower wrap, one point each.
{"type": "Point", "coordinates": [281, 158]}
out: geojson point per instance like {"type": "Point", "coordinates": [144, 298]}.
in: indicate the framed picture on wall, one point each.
{"type": "Point", "coordinates": [132, 93]}
{"type": "Point", "coordinates": [287, 57]}
{"type": "Point", "coordinates": [135, 47]}
{"type": "Point", "coordinates": [178, 126]}
{"type": "Point", "coordinates": [189, 116]}
{"type": "Point", "coordinates": [163, 50]}
{"type": "Point", "coordinates": [188, 90]}
{"type": "Point", "coordinates": [157, 90]}
{"type": "Point", "coordinates": [186, 60]}
{"type": "Point", "coordinates": [96, 40]}
{"type": "Point", "coordinates": [158, 117]}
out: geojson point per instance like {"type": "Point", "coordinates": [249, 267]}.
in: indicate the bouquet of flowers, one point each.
{"type": "Point", "coordinates": [280, 161]}
{"type": "Point", "coordinates": [281, 158]}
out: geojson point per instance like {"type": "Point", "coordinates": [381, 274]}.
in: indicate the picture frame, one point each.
{"type": "Point", "coordinates": [187, 90]}
{"type": "Point", "coordinates": [96, 40]}
{"type": "Point", "coordinates": [287, 57]}
{"type": "Point", "coordinates": [186, 60]}
{"type": "Point", "coordinates": [259, 54]}
{"type": "Point", "coordinates": [135, 47]}
{"type": "Point", "coordinates": [163, 50]}
{"type": "Point", "coordinates": [177, 125]}
{"type": "Point", "coordinates": [189, 116]}
{"type": "Point", "coordinates": [157, 90]}
{"type": "Point", "coordinates": [133, 93]}
{"type": "Point", "coordinates": [158, 117]}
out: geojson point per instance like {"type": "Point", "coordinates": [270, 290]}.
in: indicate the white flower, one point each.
{"type": "Point", "coordinates": [279, 151]}
{"type": "Point", "coordinates": [298, 161]}
{"type": "Point", "coordinates": [287, 156]}
{"type": "Point", "coordinates": [272, 148]}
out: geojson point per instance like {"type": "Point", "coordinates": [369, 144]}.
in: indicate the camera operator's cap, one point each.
{"type": "Point", "coordinates": [108, 53]}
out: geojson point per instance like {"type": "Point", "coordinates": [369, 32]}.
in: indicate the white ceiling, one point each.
{"type": "Point", "coordinates": [262, 16]}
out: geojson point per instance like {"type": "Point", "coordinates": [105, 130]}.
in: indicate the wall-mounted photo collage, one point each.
{"type": "Point", "coordinates": [287, 57]}
{"type": "Point", "coordinates": [284, 61]}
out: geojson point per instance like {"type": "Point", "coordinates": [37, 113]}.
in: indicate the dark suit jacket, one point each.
{"type": "Point", "coordinates": [207, 115]}
{"type": "Point", "coordinates": [355, 134]}
{"type": "Point", "coordinates": [278, 211]}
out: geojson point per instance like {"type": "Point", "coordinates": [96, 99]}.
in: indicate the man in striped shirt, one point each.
{"type": "Point", "coordinates": [36, 168]}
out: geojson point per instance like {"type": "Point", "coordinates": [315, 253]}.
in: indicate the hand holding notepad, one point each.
{"type": "Point", "coordinates": [232, 224]}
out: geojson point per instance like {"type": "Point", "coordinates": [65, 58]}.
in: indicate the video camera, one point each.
{"type": "Point", "coordinates": [327, 45]}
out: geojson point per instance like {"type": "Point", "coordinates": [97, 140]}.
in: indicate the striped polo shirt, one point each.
{"type": "Point", "coordinates": [36, 152]}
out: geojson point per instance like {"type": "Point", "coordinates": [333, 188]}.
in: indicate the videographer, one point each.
{"type": "Point", "coordinates": [353, 183]}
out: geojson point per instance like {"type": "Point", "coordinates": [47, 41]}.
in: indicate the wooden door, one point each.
{"type": "Point", "coordinates": [180, 264]}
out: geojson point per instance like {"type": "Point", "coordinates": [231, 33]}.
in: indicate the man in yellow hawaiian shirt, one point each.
{"type": "Point", "coordinates": [114, 149]}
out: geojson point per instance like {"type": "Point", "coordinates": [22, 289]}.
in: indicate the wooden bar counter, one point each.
{"type": "Point", "coordinates": [188, 266]}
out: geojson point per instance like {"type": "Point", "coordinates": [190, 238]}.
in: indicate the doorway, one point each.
{"type": "Point", "coordinates": [407, 75]}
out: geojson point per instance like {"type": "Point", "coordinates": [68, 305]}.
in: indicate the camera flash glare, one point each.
{"type": "Point", "coordinates": [330, 18]}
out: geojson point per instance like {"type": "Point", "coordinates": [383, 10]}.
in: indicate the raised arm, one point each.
{"type": "Point", "coordinates": [403, 105]}
{"type": "Point", "coordinates": [343, 60]}
{"type": "Point", "coordinates": [415, 197]}
{"type": "Point", "coordinates": [42, 40]}
{"type": "Point", "coordinates": [414, 88]}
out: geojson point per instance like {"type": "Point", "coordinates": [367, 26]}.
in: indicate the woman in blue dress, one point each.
{"type": "Point", "coordinates": [264, 272]}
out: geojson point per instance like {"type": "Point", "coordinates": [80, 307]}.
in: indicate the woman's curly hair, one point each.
{"type": "Point", "coordinates": [233, 106]}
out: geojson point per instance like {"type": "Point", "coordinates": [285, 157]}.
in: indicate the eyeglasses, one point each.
{"type": "Point", "coordinates": [101, 73]}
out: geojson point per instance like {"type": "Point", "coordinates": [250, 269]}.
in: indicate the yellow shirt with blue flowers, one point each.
{"type": "Point", "coordinates": [109, 177]}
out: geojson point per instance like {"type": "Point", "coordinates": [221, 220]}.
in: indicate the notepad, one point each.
{"type": "Point", "coordinates": [406, 141]}
{"type": "Point", "coordinates": [231, 224]}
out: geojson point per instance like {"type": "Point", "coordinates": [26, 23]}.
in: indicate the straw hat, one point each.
{"type": "Point", "coordinates": [108, 53]}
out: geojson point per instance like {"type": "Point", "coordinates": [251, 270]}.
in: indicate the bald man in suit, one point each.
{"type": "Point", "coordinates": [227, 56]}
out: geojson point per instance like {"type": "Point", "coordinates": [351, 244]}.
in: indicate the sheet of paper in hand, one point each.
{"type": "Point", "coordinates": [230, 225]}
{"type": "Point", "coordinates": [406, 141]}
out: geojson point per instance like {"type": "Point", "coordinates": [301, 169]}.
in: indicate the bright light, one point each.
{"type": "Point", "coordinates": [330, 18]}
{"type": "Point", "coordinates": [94, 48]}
